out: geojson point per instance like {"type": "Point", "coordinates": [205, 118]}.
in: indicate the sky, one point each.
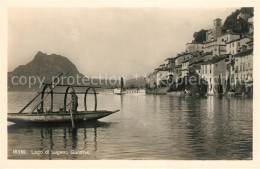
{"type": "Point", "coordinates": [112, 41]}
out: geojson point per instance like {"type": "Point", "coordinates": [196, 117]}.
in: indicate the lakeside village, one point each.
{"type": "Point", "coordinates": [222, 64]}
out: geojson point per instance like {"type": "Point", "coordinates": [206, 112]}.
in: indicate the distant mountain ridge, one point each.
{"type": "Point", "coordinates": [42, 65]}
{"type": "Point", "coordinates": [49, 66]}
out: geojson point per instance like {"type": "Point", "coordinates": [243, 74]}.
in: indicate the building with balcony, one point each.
{"type": "Point", "coordinates": [184, 68]}
{"type": "Point", "coordinates": [238, 45]}
{"type": "Point", "coordinates": [214, 72]}
{"type": "Point", "coordinates": [194, 47]}
{"type": "Point", "coordinates": [179, 59]}
{"type": "Point", "coordinates": [251, 25]}
{"type": "Point", "coordinates": [243, 67]}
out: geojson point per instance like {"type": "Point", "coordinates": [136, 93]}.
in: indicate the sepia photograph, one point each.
{"type": "Point", "coordinates": [130, 83]}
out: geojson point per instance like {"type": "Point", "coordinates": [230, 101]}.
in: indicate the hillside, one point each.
{"type": "Point", "coordinates": [236, 24]}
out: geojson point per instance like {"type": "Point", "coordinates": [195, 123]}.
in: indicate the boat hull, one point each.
{"type": "Point", "coordinates": [57, 117]}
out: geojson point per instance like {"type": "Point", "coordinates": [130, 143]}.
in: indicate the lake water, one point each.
{"type": "Point", "coordinates": [146, 127]}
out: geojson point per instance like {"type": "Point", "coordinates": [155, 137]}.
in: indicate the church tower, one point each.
{"type": "Point", "coordinates": [217, 28]}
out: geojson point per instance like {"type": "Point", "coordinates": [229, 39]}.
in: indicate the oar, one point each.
{"type": "Point", "coordinates": [49, 92]}
{"type": "Point", "coordinates": [71, 117]}
{"type": "Point", "coordinates": [37, 96]}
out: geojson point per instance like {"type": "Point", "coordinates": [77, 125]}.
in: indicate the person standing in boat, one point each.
{"type": "Point", "coordinates": [74, 102]}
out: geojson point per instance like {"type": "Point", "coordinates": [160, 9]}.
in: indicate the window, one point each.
{"type": "Point", "coordinates": [209, 71]}
{"type": "Point", "coordinates": [233, 44]}
{"type": "Point", "coordinates": [216, 65]}
{"type": "Point", "coordinates": [238, 44]}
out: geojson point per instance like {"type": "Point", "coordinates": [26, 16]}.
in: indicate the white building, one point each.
{"type": "Point", "coordinates": [194, 47]}
{"type": "Point", "coordinates": [243, 66]}
{"type": "Point", "coordinates": [214, 72]}
{"type": "Point", "coordinates": [184, 68]}
{"type": "Point", "coordinates": [236, 46]}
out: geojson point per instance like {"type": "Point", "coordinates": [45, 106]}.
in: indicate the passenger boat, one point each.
{"type": "Point", "coordinates": [63, 115]}
{"type": "Point", "coordinates": [130, 91]}
{"type": "Point", "coordinates": [124, 91]}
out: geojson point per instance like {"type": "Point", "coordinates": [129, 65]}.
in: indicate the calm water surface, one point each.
{"type": "Point", "coordinates": [147, 127]}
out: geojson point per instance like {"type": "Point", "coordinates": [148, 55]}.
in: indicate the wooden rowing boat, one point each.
{"type": "Point", "coordinates": [56, 117]}
{"type": "Point", "coordinates": [61, 116]}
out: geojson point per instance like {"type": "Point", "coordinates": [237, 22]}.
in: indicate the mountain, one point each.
{"type": "Point", "coordinates": [42, 66]}
{"type": "Point", "coordinates": [135, 83]}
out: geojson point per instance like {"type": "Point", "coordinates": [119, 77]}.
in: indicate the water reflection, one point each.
{"type": "Point", "coordinates": [147, 127]}
{"type": "Point", "coordinates": [209, 139]}
{"type": "Point", "coordinates": [52, 137]}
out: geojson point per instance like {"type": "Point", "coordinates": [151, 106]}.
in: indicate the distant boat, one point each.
{"type": "Point", "coordinates": [123, 91]}
{"type": "Point", "coordinates": [130, 91]}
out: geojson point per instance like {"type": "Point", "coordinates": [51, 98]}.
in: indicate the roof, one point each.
{"type": "Point", "coordinates": [178, 66]}
{"type": "Point", "coordinates": [197, 62]}
{"type": "Point", "coordinates": [169, 59]}
{"type": "Point", "coordinates": [231, 33]}
{"type": "Point", "coordinates": [210, 41]}
{"type": "Point", "coordinates": [215, 60]}
{"type": "Point", "coordinates": [194, 43]}
{"type": "Point", "coordinates": [250, 41]}
{"type": "Point", "coordinates": [207, 53]}
{"type": "Point", "coordinates": [217, 19]}
{"type": "Point", "coordinates": [182, 54]}
{"type": "Point", "coordinates": [162, 65]}
{"type": "Point", "coordinates": [237, 40]}
{"type": "Point", "coordinates": [247, 52]}
{"type": "Point", "coordinates": [186, 61]}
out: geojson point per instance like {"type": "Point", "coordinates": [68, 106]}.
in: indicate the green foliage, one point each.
{"type": "Point", "coordinates": [249, 10]}
{"type": "Point", "coordinates": [177, 86]}
{"type": "Point", "coordinates": [195, 84]}
{"type": "Point", "coordinates": [200, 36]}
{"type": "Point", "coordinates": [228, 86]}
{"type": "Point", "coordinates": [231, 21]}
{"type": "Point", "coordinates": [237, 26]}
{"type": "Point", "coordinates": [192, 83]}
{"type": "Point", "coordinates": [240, 87]}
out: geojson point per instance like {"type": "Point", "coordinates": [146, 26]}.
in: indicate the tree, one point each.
{"type": "Point", "coordinates": [195, 84]}
{"type": "Point", "coordinates": [240, 26]}
{"type": "Point", "coordinates": [228, 84]}
{"type": "Point", "coordinates": [249, 10]}
{"type": "Point", "coordinates": [200, 36]}
{"type": "Point", "coordinates": [192, 83]}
